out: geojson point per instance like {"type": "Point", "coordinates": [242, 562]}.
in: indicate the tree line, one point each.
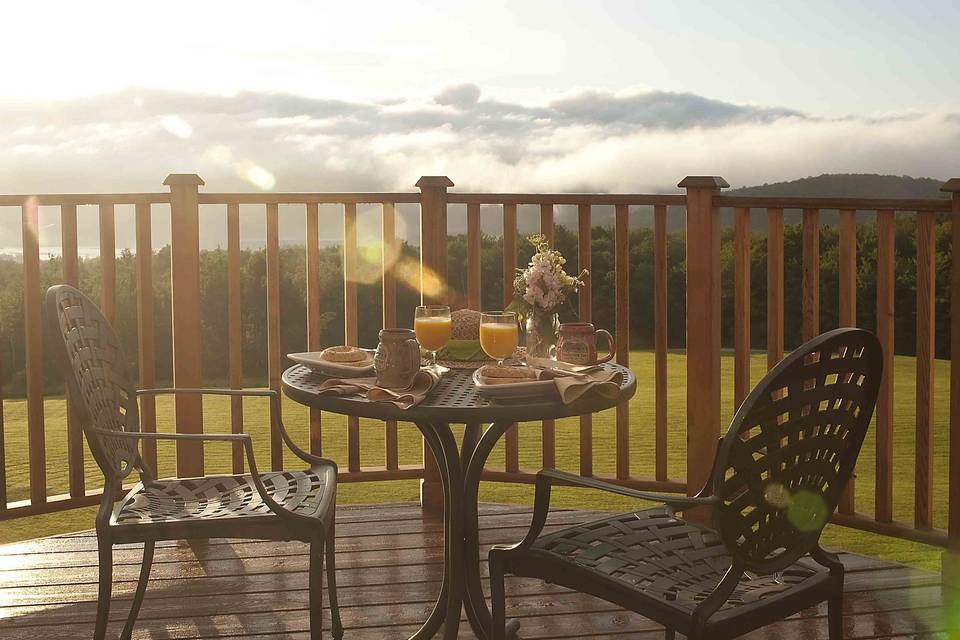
{"type": "Point", "coordinates": [330, 273]}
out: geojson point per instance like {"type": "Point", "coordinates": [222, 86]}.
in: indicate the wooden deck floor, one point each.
{"type": "Point", "coordinates": [388, 566]}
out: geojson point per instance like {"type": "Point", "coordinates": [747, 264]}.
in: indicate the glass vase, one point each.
{"type": "Point", "coordinates": [543, 328]}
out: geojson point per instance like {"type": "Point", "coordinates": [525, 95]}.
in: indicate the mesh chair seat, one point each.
{"type": "Point", "coordinates": [218, 497]}
{"type": "Point", "coordinates": [662, 557]}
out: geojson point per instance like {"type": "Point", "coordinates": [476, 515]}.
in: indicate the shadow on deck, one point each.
{"type": "Point", "coordinates": [389, 564]}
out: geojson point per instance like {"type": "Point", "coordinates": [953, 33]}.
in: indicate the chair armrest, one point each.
{"type": "Point", "coordinates": [274, 396]}
{"type": "Point", "coordinates": [677, 501]}
{"type": "Point", "coordinates": [142, 435]}
{"type": "Point", "coordinates": [165, 391]}
{"type": "Point", "coordinates": [548, 477]}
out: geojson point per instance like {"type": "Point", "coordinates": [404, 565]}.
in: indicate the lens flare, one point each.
{"type": "Point", "coordinates": [30, 219]}
{"type": "Point", "coordinates": [176, 126]}
{"type": "Point", "coordinates": [368, 265]}
{"type": "Point", "coordinates": [777, 495]}
{"type": "Point", "coordinates": [807, 511]}
{"type": "Point", "coordinates": [408, 272]}
{"type": "Point", "coordinates": [256, 175]}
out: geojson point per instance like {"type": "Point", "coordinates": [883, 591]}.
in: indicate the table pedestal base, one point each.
{"type": "Point", "coordinates": [460, 473]}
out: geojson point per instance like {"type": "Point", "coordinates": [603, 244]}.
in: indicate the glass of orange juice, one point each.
{"type": "Point", "coordinates": [499, 334]}
{"type": "Point", "coordinates": [432, 325]}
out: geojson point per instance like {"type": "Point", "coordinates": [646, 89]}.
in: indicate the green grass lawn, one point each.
{"type": "Point", "coordinates": [216, 419]}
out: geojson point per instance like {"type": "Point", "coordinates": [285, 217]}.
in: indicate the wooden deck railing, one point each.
{"type": "Point", "coordinates": [703, 200]}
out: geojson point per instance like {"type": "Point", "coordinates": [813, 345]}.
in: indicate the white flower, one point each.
{"type": "Point", "coordinates": [544, 284]}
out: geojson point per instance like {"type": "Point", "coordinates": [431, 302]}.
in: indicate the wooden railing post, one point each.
{"type": "Point", "coordinates": [433, 290]}
{"type": "Point", "coordinates": [703, 326]}
{"type": "Point", "coordinates": [951, 557]}
{"type": "Point", "coordinates": [185, 307]}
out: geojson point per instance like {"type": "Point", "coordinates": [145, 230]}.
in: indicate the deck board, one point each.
{"type": "Point", "coordinates": [389, 564]}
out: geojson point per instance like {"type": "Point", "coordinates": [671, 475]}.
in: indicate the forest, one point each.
{"type": "Point", "coordinates": [293, 293]}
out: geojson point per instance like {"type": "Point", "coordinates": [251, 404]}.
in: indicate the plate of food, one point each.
{"type": "Point", "coordinates": [340, 361]}
{"type": "Point", "coordinates": [512, 382]}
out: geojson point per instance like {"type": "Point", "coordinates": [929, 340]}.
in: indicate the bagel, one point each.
{"type": "Point", "coordinates": [343, 354]}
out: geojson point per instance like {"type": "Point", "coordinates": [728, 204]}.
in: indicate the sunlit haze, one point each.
{"type": "Point", "coordinates": [566, 96]}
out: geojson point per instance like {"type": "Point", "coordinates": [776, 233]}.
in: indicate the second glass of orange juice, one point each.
{"type": "Point", "coordinates": [499, 334]}
{"type": "Point", "coordinates": [432, 326]}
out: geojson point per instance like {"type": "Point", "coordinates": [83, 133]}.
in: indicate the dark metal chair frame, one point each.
{"type": "Point", "coordinates": [271, 506]}
{"type": "Point", "coordinates": [778, 475]}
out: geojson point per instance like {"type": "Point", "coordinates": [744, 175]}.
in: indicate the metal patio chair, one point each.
{"type": "Point", "coordinates": [284, 505]}
{"type": "Point", "coordinates": [777, 477]}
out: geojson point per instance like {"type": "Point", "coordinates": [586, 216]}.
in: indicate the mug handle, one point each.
{"type": "Point", "coordinates": [611, 345]}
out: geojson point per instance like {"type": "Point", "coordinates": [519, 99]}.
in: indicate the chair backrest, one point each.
{"type": "Point", "coordinates": [792, 446]}
{"type": "Point", "coordinates": [96, 373]}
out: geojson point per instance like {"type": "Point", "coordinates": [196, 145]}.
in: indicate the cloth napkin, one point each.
{"type": "Point", "coordinates": [573, 385]}
{"type": "Point", "coordinates": [423, 382]}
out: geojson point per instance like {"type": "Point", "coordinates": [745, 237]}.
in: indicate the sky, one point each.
{"type": "Point", "coordinates": [502, 96]}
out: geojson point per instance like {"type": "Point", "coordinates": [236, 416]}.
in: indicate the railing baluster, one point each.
{"type": "Point", "coordinates": [548, 428]}
{"type": "Point", "coordinates": [108, 262]}
{"type": "Point", "coordinates": [33, 330]}
{"type": "Point", "coordinates": [848, 310]}
{"type": "Point", "coordinates": [586, 303]}
{"type": "Point", "coordinates": [235, 330]}
{"type": "Point", "coordinates": [146, 350]}
{"type": "Point", "coordinates": [622, 310]}
{"type": "Point", "coordinates": [512, 439]}
{"type": "Point", "coordinates": [848, 268]}
{"type": "Point", "coordinates": [953, 500]}
{"type": "Point", "coordinates": [884, 410]}
{"type": "Point", "coordinates": [660, 339]}
{"type": "Point", "coordinates": [926, 333]}
{"type": "Point", "coordinates": [389, 253]}
{"type": "Point", "coordinates": [313, 312]}
{"type": "Point", "coordinates": [811, 274]}
{"type": "Point", "coordinates": [774, 286]}
{"type": "Point", "coordinates": [273, 324]}
{"type": "Point", "coordinates": [350, 318]}
{"type": "Point", "coordinates": [71, 276]}
{"type": "Point", "coordinates": [474, 237]}
{"type": "Point", "coordinates": [742, 234]}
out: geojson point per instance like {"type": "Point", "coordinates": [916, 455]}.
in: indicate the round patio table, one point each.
{"type": "Point", "coordinates": [455, 401]}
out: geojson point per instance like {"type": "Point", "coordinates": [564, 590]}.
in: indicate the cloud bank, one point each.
{"type": "Point", "coordinates": [586, 141]}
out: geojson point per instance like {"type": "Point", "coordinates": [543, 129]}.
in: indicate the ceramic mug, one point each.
{"type": "Point", "coordinates": [577, 344]}
{"type": "Point", "coordinates": [397, 360]}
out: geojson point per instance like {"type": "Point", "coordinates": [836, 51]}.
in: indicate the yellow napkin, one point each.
{"type": "Point", "coordinates": [423, 382]}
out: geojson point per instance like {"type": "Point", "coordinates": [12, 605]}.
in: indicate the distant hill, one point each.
{"type": "Point", "coordinates": [849, 185]}
{"type": "Point", "coordinates": [839, 185]}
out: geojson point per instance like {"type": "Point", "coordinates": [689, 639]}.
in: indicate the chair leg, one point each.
{"type": "Point", "coordinates": [669, 634]}
{"type": "Point", "coordinates": [497, 597]}
{"type": "Point", "coordinates": [141, 589]}
{"type": "Point", "coordinates": [835, 617]}
{"type": "Point", "coordinates": [105, 549]}
{"type": "Point", "coordinates": [316, 589]}
{"type": "Point", "coordinates": [332, 582]}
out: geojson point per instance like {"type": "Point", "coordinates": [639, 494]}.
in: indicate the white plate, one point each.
{"type": "Point", "coordinates": [311, 359]}
{"type": "Point", "coordinates": [515, 390]}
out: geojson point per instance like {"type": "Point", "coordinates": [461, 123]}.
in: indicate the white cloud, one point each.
{"type": "Point", "coordinates": [592, 140]}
